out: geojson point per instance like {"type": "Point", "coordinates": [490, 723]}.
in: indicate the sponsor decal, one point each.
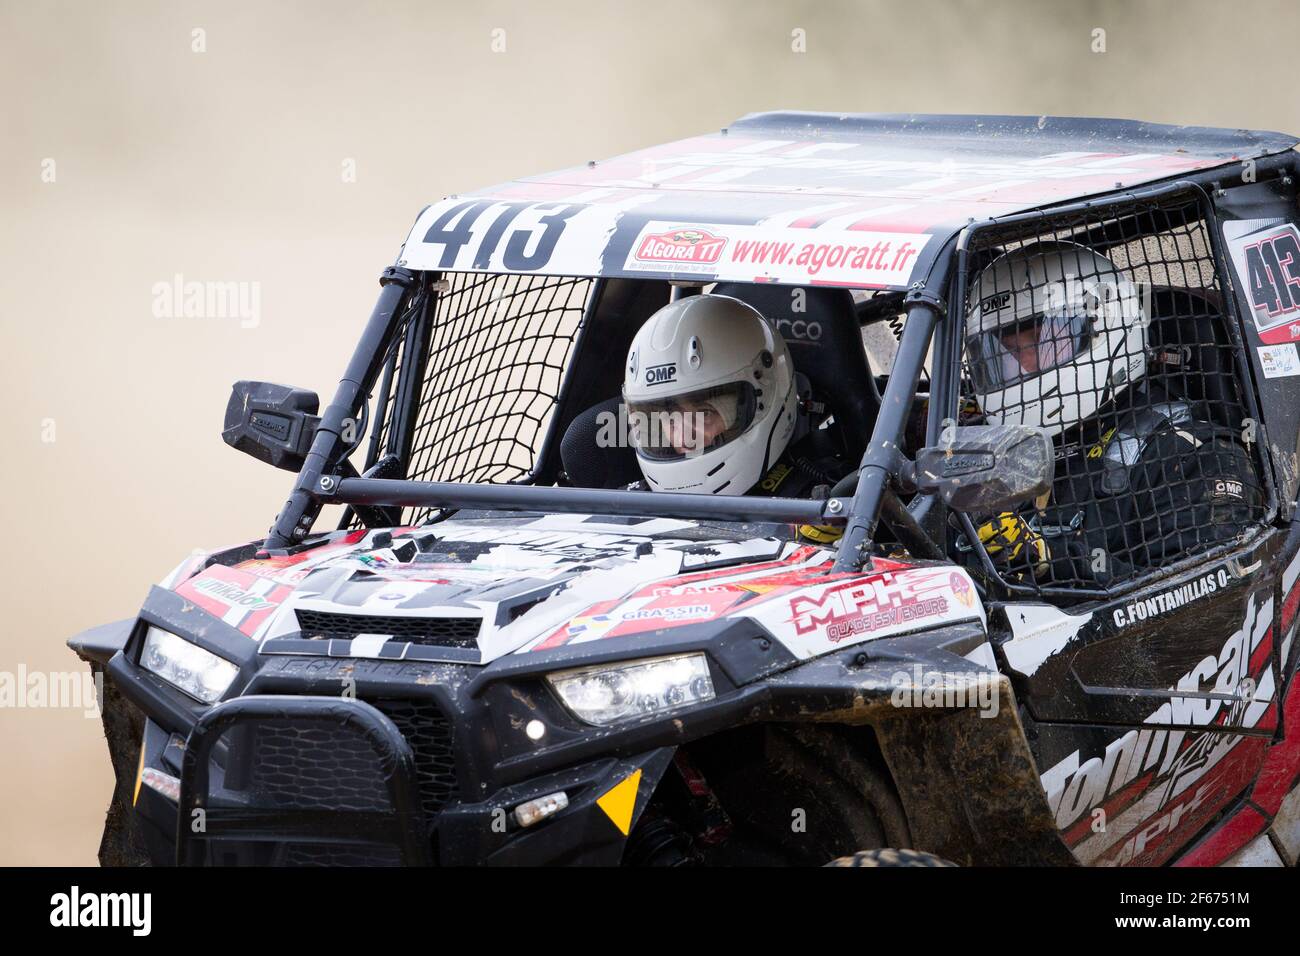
{"type": "Point", "coordinates": [855, 258]}
{"type": "Point", "coordinates": [290, 576]}
{"type": "Point", "coordinates": [817, 618]}
{"type": "Point", "coordinates": [1097, 450]}
{"type": "Point", "coordinates": [244, 601]}
{"type": "Point", "coordinates": [688, 245]}
{"type": "Point", "coordinates": [1171, 600]}
{"type": "Point", "coordinates": [232, 595]}
{"type": "Point", "coordinates": [590, 624]}
{"type": "Point", "coordinates": [962, 590]}
{"type": "Point", "coordinates": [1279, 361]}
{"type": "Point", "coordinates": [799, 330]}
{"type": "Point", "coordinates": [1156, 830]}
{"type": "Point", "coordinates": [676, 590]}
{"type": "Point", "coordinates": [775, 475]}
{"type": "Point", "coordinates": [661, 374]}
{"type": "Point", "coordinates": [863, 607]}
{"type": "Point", "coordinates": [995, 302]}
{"type": "Point", "coordinates": [682, 612]}
{"type": "Point", "coordinates": [1226, 488]}
{"type": "Point", "coordinates": [1039, 632]}
{"type": "Point", "coordinates": [1267, 260]}
{"type": "Point", "coordinates": [1075, 786]}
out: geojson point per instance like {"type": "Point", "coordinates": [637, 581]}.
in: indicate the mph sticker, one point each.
{"type": "Point", "coordinates": [1266, 256]}
{"type": "Point", "coordinates": [820, 619]}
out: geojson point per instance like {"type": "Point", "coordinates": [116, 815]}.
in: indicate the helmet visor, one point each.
{"type": "Point", "coordinates": [672, 427]}
{"type": "Point", "coordinates": [1003, 356]}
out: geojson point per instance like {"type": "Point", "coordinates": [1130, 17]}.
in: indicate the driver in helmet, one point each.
{"type": "Point", "coordinates": [1057, 338]}
{"type": "Point", "coordinates": [714, 406]}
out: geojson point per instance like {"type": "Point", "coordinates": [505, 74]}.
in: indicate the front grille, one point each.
{"type": "Point", "coordinates": [288, 780]}
{"type": "Point", "coordinates": [432, 631]}
{"type": "Point", "coordinates": [310, 765]}
{"type": "Point", "coordinates": [313, 766]}
{"type": "Point", "coordinates": [338, 854]}
{"type": "Point", "coordinates": [429, 735]}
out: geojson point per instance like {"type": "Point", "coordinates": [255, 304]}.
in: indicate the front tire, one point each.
{"type": "Point", "coordinates": [890, 857]}
{"type": "Point", "coordinates": [122, 843]}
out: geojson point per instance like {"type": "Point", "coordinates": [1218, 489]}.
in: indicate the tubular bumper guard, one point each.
{"type": "Point", "coordinates": [368, 799]}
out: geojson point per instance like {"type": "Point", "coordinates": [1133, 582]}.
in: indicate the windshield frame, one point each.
{"type": "Point", "coordinates": [326, 477]}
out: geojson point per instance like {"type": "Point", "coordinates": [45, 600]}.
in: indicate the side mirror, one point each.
{"type": "Point", "coordinates": [983, 469]}
{"type": "Point", "coordinates": [273, 423]}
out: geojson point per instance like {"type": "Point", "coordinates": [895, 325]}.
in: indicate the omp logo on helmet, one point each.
{"type": "Point", "coordinates": [681, 245]}
{"type": "Point", "coordinates": [661, 374]}
{"type": "Point", "coordinates": [992, 303]}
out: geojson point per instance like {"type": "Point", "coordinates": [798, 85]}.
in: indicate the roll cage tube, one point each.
{"type": "Point", "coordinates": [319, 482]}
{"type": "Point", "coordinates": [651, 504]}
{"type": "Point", "coordinates": [300, 511]}
{"type": "Point", "coordinates": [881, 460]}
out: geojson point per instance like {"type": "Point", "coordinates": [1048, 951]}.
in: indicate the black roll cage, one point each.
{"type": "Point", "coordinates": [324, 479]}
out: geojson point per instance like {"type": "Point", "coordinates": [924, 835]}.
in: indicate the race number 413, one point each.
{"type": "Point", "coordinates": [489, 234]}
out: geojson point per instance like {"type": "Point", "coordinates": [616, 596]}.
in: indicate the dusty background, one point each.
{"type": "Point", "coordinates": [228, 165]}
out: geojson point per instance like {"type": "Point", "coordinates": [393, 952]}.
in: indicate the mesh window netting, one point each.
{"type": "Point", "coordinates": [1110, 330]}
{"type": "Point", "coordinates": [498, 347]}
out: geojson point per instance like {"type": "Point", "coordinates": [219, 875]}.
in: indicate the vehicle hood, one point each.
{"type": "Point", "coordinates": [474, 590]}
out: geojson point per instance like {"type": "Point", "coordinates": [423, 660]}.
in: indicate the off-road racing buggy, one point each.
{"type": "Point", "coordinates": [504, 655]}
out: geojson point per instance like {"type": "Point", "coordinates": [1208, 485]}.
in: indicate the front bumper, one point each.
{"type": "Point", "coordinates": [452, 740]}
{"type": "Point", "coordinates": [321, 758]}
{"type": "Point", "coordinates": [282, 780]}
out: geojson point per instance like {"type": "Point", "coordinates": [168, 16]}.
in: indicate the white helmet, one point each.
{"type": "Point", "coordinates": [710, 396]}
{"type": "Point", "coordinates": [1054, 331]}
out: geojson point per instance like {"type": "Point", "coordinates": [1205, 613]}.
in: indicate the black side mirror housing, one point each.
{"type": "Point", "coordinates": [984, 469]}
{"type": "Point", "coordinates": [273, 423]}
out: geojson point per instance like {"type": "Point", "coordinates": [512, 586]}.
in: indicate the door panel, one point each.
{"type": "Point", "coordinates": [1149, 713]}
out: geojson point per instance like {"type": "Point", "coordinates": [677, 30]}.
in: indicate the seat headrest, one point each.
{"type": "Point", "coordinates": [587, 463]}
{"type": "Point", "coordinates": [1189, 332]}
{"type": "Point", "coordinates": [820, 327]}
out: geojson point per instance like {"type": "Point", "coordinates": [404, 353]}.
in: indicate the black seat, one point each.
{"type": "Point", "coordinates": [590, 463]}
{"type": "Point", "coordinates": [825, 342]}
{"type": "Point", "coordinates": [1195, 356]}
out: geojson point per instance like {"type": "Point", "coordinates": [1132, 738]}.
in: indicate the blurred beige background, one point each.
{"type": "Point", "coordinates": [227, 165]}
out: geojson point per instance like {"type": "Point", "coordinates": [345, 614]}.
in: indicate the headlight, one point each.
{"type": "Point", "coordinates": [188, 667]}
{"type": "Point", "coordinates": [609, 693]}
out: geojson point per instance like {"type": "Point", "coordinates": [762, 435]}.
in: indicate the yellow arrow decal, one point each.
{"type": "Point", "coordinates": [619, 801]}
